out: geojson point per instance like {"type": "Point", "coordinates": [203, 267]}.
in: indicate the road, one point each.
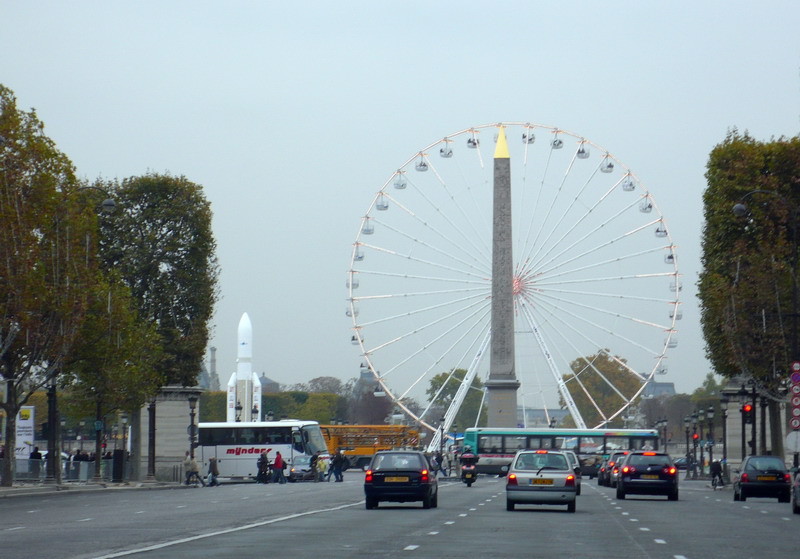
{"type": "Point", "coordinates": [309, 520]}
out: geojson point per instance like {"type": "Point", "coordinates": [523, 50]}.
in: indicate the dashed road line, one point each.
{"type": "Point", "coordinates": [450, 522]}
{"type": "Point", "coordinates": [660, 541]}
{"type": "Point", "coordinates": [432, 533]}
{"type": "Point", "coordinates": [85, 519]}
{"type": "Point", "coordinates": [410, 547]}
{"type": "Point", "coordinates": [643, 529]}
{"type": "Point", "coordinates": [14, 528]}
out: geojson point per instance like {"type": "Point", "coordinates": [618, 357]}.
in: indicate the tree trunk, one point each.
{"type": "Point", "coordinates": [762, 444]}
{"type": "Point", "coordinates": [9, 452]}
{"type": "Point", "coordinates": [776, 428]}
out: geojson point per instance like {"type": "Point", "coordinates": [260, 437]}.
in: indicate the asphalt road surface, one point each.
{"type": "Point", "coordinates": [313, 520]}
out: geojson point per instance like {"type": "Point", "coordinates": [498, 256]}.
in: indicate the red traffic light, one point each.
{"type": "Point", "coordinates": [747, 408]}
{"type": "Point", "coordinates": [695, 436]}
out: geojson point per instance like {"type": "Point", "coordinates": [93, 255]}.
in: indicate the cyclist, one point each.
{"type": "Point", "coordinates": [716, 474]}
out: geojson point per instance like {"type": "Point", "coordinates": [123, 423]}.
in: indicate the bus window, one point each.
{"type": "Point", "coordinates": [314, 439]}
{"type": "Point", "coordinates": [515, 443]}
{"type": "Point", "coordinates": [279, 435]}
{"type": "Point", "coordinates": [490, 444]}
{"type": "Point", "coordinates": [297, 442]}
{"type": "Point", "coordinates": [540, 442]}
{"type": "Point", "coordinates": [217, 436]}
{"type": "Point", "coordinates": [618, 443]}
{"type": "Point", "coordinates": [591, 445]}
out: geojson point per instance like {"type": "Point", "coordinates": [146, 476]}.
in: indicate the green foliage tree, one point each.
{"type": "Point", "coordinates": [162, 244]}
{"type": "Point", "coordinates": [603, 377]}
{"type": "Point", "coordinates": [47, 264]}
{"type": "Point", "coordinates": [745, 286]}
{"type": "Point", "coordinates": [443, 388]}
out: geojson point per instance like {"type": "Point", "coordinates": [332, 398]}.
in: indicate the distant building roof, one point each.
{"type": "Point", "coordinates": [268, 385]}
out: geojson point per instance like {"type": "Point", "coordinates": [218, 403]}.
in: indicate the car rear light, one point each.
{"type": "Point", "coordinates": [541, 452]}
{"type": "Point", "coordinates": [787, 478]}
{"type": "Point", "coordinates": [512, 479]}
{"type": "Point", "coordinates": [671, 471]}
{"type": "Point", "coordinates": [649, 453]}
{"type": "Point", "coordinates": [368, 477]}
{"type": "Point", "coordinates": [570, 481]}
{"type": "Point", "coordinates": [424, 476]}
{"type": "Point", "coordinates": [628, 469]}
{"type": "Point", "coordinates": [744, 478]}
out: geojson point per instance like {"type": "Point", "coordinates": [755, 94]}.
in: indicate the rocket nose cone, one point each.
{"type": "Point", "coordinates": [245, 320]}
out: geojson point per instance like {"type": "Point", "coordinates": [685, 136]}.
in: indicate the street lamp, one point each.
{"type": "Point", "coordinates": [270, 415]}
{"type": "Point", "coordinates": [441, 436]}
{"type": "Point", "coordinates": [686, 422]}
{"type": "Point", "coordinates": [192, 427]}
{"type": "Point", "coordinates": [694, 445]}
{"type": "Point", "coordinates": [710, 416]}
{"type": "Point", "coordinates": [723, 405]}
{"type": "Point", "coordinates": [701, 416]}
{"type": "Point", "coordinates": [124, 419]}
{"type": "Point", "coordinates": [254, 413]}
{"type": "Point", "coordinates": [238, 409]}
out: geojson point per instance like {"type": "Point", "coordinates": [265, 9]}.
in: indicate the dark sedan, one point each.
{"type": "Point", "coordinates": [400, 476]}
{"type": "Point", "coordinates": [762, 476]}
{"type": "Point", "coordinates": [647, 473]}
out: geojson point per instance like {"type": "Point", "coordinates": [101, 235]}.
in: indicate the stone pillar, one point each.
{"type": "Point", "coordinates": [502, 385]}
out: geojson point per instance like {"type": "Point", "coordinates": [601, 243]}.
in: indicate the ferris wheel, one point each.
{"type": "Point", "coordinates": [596, 283]}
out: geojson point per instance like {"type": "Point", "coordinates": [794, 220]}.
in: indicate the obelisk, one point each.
{"type": "Point", "coordinates": [502, 384]}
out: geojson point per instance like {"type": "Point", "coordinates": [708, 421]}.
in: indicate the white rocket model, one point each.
{"type": "Point", "coordinates": [244, 387]}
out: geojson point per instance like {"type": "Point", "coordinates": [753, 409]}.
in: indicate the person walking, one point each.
{"type": "Point", "coordinates": [35, 460]}
{"type": "Point", "coordinates": [322, 467]}
{"type": "Point", "coordinates": [192, 471]}
{"type": "Point", "coordinates": [277, 468]}
{"type": "Point", "coordinates": [338, 464]}
{"type": "Point", "coordinates": [213, 472]}
{"type": "Point", "coordinates": [263, 468]}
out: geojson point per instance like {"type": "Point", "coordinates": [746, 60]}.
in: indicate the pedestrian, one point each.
{"type": "Point", "coordinates": [277, 467]}
{"type": "Point", "coordinates": [716, 474]}
{"type": "Point", "coordinates": [322, 466]}
{"type": "Point", "coordinates": [313, 464]}
{"type": "Point", "coordinates": [263, 468]}
{"type": "Point", "coordinates": [213, 472]}
{"type": "Point", "coordinates": [192, 470]}
{"type": "Point", "coordinates": [338, 465]}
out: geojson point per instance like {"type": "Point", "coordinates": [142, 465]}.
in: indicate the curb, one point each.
{"type": "Point", "coordinates": [11, 492]}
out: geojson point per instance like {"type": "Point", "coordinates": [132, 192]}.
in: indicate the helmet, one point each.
{"type": "Point", "coordinates": [467, 448]}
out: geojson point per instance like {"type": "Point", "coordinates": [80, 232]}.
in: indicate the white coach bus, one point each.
{"type": "Point", "coordinates": [237, 446]}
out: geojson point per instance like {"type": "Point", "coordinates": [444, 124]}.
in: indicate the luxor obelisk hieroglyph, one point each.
{"type": "Point", "coordinates": [502, 384]}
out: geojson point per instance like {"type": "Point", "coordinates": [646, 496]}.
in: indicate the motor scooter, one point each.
{"type": "Point", "coordinates": [469, 471]}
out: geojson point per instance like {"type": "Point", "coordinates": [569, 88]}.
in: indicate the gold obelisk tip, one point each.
{"type": "Point", "coordinates": [501, 149]}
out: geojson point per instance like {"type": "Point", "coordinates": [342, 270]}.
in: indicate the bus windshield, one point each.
{"type": "Point", "coordinates": [315, 442]}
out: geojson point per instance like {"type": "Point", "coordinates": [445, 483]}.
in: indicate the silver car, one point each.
{"type": "Point", "coordinates": [575, 462]}
{"type": "Point", "coordinates": [540, 477]}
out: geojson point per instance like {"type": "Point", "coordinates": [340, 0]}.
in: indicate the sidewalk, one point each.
{"type": "Point", "coordinates": [30, 489]}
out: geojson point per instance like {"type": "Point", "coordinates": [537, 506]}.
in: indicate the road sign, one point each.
{"type": "Point", "coordinates": [98, 425]}
{"type": "Point", "coordinates": [793, 440]}
{"type": "Point", "coordinates": [796, 366]}
{"type": "Point", "coordinates": [795, 423]}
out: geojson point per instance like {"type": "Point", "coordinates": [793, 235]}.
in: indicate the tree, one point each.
{"type": "Point", "coordinates": [746, 282]}
{"type": "Point", "coordinates": [327, 385]}
{"type": "Point", "coordinates": [442, 389]}
{"type": "Point", "coordinates": [162, 244]}
{"type": "Point", "coordinates": [47, 260]}
{"type": "Point", "coordinates": [603, 377]}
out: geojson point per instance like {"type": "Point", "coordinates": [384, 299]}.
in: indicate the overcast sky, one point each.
{"type": "Point", "coordinates": [293, 114]}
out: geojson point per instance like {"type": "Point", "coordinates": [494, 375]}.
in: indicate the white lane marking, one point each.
{"type": "Point", "coordinates": [625, 513]}
{"type": "Point", "coordinates": [660, 541]}
{"type": "Point", "coordinates": [618, 508]}
{"type": "Point", "coordinates": [473, 509]}
{"type": "Point", "coordinates": [784, 518]}
{"type": "Point", "coordinates": [30, 511]}
{"type": "Point", "coordinates": [226, 531]}
{"type": "Point", "coordinates": [14, 528]}
{"type": "Point", "coordinates": [432, 533]}
{"type": "Point", "coordinates": [450, 522]}
{"type": "Point", "coordinates": [481, 504]}
{"type": "Point", "coordinates": [634, 520]}
{"type": "Point", "coordinates": [763, 512]}
{"type": "Point", "coordinates": [181, 507]}
{"type": "Point", "coordinates": [745, 507]}
{"type": "Point", "coordinates": [644, 529]}
{"type": "Point", "coordinates": [85, 519]}
{"type": "Point", "coordinates": [679, 556]}
{"type": "Point", "coordinates": [410, 547]}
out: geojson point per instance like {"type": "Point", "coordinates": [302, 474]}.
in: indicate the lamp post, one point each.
{"type": "Point", "coordinates": [701, 416]}
{"type": "Point", "coordinates": [723, 405]}
{"type": "Point", "coordinates": [441, 437]}
{"type": "Point", "coordinates": [710, 416]}
{"type": "Point", "coordinates": [81, 424]}
{"type": "Point", "coordinates": [62, 422]}
{"type": "Point", "coordinates": [254, 413]}
{"type": "Point", "coordinates": [151, 441]}
{"type": "Point", "coordinates": [686, 422]}
{"type": "Point", "coordinates": [694, 445]}
{"type": "Point", "coordinates": [270, 415]}
{"type": "Point", "coordinates": [192, 426]}
{"type": "Point", "coordinates": [124, 419]}
{"type": "Point", "coordinates": [238, 409]}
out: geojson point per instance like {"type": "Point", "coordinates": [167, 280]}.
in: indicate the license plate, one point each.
{"type": "Point", "coordinates": [649, 476]}
{"type": "Point", "coordinates": [396, 479]}
{"type": "Point", "coordinates": [766, 478]}
{"type": "Point", "coordinates": [541, 482]}
{"type": "Point", "coordinates": [468, 476]}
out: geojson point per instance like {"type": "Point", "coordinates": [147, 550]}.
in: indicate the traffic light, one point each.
{"type": "Point", "coordinates": [695, 437]}
{"type": "Point", "coordinates": [747, 413]}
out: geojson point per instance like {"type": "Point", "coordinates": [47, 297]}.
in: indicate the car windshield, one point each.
{"type": "Point", "coordinates": [642, 460]}
{"type": "Point", "coordinates": [400, 461]}
{"type": "Point", "coordinates": [300, 460]}
{"type": "Point", "coordinates": [763, 463]}
{"type": "Point", "coordinates": [541, 461]}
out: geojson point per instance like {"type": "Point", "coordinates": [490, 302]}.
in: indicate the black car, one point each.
{"type": "Point", "coordinates": [647, 473]}
{"type": "Point", "coordinates": [400, 476]}
{"type": "Point", "coordinates": [762, 476]}
{"type": "Point", "coordinates": [607, 467]}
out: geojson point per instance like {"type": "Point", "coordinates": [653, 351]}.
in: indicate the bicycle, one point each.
{"type": "Point", "coordinates": [716, 481]}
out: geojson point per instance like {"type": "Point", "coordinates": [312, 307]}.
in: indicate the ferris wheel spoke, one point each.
{"type": "Point", "coordinates": [545, 306]}
{"type": "Point", "coordinates": [485, 281]}
{"type": "Point", "coordinates": [544, 274]}
{"type": "Point", "coordinates": [608, 312]}
{"type": "Point", "coordinates": [478, 320]}
{"type": "Point", "coordinates": [429, 309]}
{"type": "Point", "coordinates": [595, 248]}
{"type": "Point", "coordinates": [533, 260]}
{"type": "Point", "coordinates": [429, 263]}
{"type": "Point", "coordinates": [591, 365]}
{"type": "Point", "coordinates": [448, 221]}
{"type": "Point", "coordinates": [482, 290]}
{"type": "Point", "coordinates": [607, 278]}
{"type": "Point", "coordinates": [621, 296]}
